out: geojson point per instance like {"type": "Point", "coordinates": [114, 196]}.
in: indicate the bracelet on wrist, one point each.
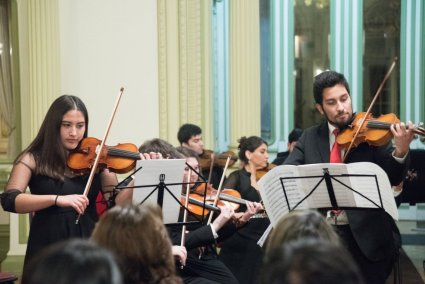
{"type": "Point", "coordinates": [56, 200]}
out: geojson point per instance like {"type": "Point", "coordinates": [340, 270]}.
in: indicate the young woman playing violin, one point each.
{"type": "Point", "coordinates": [240, 252]}
{"type": "Point", "coordinates": [56, 193]}
{"type": "Point", "coordinates": [202, 263]}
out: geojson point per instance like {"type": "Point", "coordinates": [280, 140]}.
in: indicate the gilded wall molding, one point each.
{"type": "Point", "coordinates": [184, 66]}
{"type": "Point", "coordinates": [245, 96]}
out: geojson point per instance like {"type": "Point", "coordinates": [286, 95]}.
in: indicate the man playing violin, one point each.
{"type": "Point", "coordinates": [190, 136]}
{"type": "Point", "coordinates": [371, 237]}
{"type": "Point", "coordinates": [202, 264]}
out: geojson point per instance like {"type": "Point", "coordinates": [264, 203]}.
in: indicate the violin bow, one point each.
{"type": "Point", "coordinates": [219, 190]}
{"type": "Point", "coordinates": [387, 75]}
{"type": "Point", "coordinates": [211, 167]}
{"type": "Point", "coordinates": [186, 204]}
{"type": "Point", "coordinates": [102, 144]}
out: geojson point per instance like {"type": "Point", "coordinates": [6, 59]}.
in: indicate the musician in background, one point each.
{"type": "Point", "coordinates": [190, 136]}
{"type": "Point", "coordinates": [372, 237]}
{"type": "Point", "coordinates": [293, 137]}
{"type": "Point", "coordinates": [202, 265]}
{"type": "Point", "coordinates": [240, 252]}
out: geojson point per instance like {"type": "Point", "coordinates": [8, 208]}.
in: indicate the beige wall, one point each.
{"type": "Point", "coordinates": [106, 45]}
{"type": "Point", "coordinates": [103, 45]}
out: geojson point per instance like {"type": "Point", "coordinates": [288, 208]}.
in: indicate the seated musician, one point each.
{"type": "Point", "coordinates": [190, 136]}
{"type": "Point", "coordinates": [202, 263]}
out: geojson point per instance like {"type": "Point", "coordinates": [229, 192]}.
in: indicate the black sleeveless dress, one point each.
{"type": "Point", "coordinates": [54, 223]}
{"type": "Point", "coordinates": [240, 253]}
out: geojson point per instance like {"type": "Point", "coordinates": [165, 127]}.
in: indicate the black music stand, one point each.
{"type": "Point", "coordinates": [353, 186]}
{"type": "Point", "coordinates": [160, 182]}
{"type": "Point", "coordinates": [328, 178]}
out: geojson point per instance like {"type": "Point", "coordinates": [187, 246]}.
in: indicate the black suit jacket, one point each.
{"type": "Point", "coordinates": [374, 231]}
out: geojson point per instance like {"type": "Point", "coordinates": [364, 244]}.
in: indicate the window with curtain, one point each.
{"type": "Point", "coordinates": [381, 25]}
{"type": "Point", "coordinates": [311, 56]}
{"type": "Point", "coordinates": [267, 112]}
{"type": "Point", "coordinates": [7, 114]}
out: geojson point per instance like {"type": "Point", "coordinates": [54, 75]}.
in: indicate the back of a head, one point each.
{"type": "Point", "coordinates": [160, 146]}
{"type": "Point", "coordinates": [139, 239]}
{"type": "Point", "coordinates": [186, 131]}
{"type": "Point", "coordinates": [73, 261]}
{"type": "Point", "coordinates": [310, 261]}
{"type": "Point", "coordinates": [187, 152]}
{"type": "Point", "coordinates": [300, 224]}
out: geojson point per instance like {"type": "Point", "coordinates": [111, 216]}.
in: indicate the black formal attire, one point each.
{"type": "Point", "coordinates": [372, 237]}
{"type": "Point", "coordinates": [202, 264]}
{"type": "Point", "coordinates": [54, 224]}
{"type": "Point", "coordinates": [240, 252]}
{"type": "Point", "coordinates": [216, 175]}
{"type": "Point", "coordinates": [280, 158]}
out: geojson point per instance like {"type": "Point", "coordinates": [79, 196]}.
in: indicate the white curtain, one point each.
{"type": "Point", "coordinates": [7, 110]}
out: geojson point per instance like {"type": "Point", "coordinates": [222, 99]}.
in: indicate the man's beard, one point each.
{"type": "Point", "coordinates": [341, 125]}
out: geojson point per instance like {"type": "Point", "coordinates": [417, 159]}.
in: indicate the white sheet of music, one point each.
{"type": "Point", "coordinates": [307, 177]}
{"type": "Point", "coordinates": [147, 179]}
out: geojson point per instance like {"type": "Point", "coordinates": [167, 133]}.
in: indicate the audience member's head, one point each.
{"type": "Point", "coordinates": [160, 146]}
{"type": "Point", "coordinates": [73, 261]}
{"type": "Point", "coordinates": [139, 239]}
{"type": "Point", "coordinates": [300, 224]}
{"type": "Point", "coordinates": [310, 261]}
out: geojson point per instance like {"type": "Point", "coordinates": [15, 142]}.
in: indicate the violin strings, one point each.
{"type": "Point", "coordinates": [378, 124]}
{"type": "Point", "coordinates": [119, 152]}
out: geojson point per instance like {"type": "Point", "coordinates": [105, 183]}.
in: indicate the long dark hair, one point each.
{"type": "Point", "coordinates": [49, 153]}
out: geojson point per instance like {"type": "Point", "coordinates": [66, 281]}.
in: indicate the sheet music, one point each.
{"type": "Point", "coordinates": [273, 194]}
{"type": "Point", "coordinates": [368, 188]}
{"type": "Point", "coordinates": [147, 180]}
{"type": "Point", "coordinates": [307, 177]}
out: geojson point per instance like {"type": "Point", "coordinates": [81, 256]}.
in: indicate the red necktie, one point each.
{"type": "Point", "coordinates": [336, 150]}
{"type": "Point", "coordinates": [335, 158]}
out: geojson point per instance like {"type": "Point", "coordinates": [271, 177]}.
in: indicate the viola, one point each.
{"type": "Point", "coordinates": [261, 172]}
{"type": "Point", "coordinates": [374, 131]}
{"type": "Point", "coordinates": [209, 158]}
{"type": "Point", "coordinates": [119, 159]}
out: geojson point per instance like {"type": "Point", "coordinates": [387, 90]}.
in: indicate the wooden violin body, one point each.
{"type": "Point", "coordinates": [261, 172]}
{"type": "Point", "coordinates": [374, 131]}
{"type": "Point", "coordinates": [230, 197]}
{"type": "Point", "coordinates": [208, 157]}
{"type": "Point", "coordinates": [120, 158]}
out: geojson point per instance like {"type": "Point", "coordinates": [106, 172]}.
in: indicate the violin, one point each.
{"type": "Point", "coordinates": [261, 172]}
{"type": "Point", "coordinates": [374, 131]}
{"type": "Point", "coordinates": [209, 158]}
{"type": "Point", "coordinates": [229, 197]}
{"type": "Point", "coordinates": [119, 159]}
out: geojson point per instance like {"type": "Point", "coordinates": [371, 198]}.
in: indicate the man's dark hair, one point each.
{"type": "Point", "coordinates": [186, 132]}
{"type": "Point", "coordinates": [310, 261]}
{"type": "Point", "coordinates": [327, 79]}
{"type": "Point", "coordinates": [294, 135]}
